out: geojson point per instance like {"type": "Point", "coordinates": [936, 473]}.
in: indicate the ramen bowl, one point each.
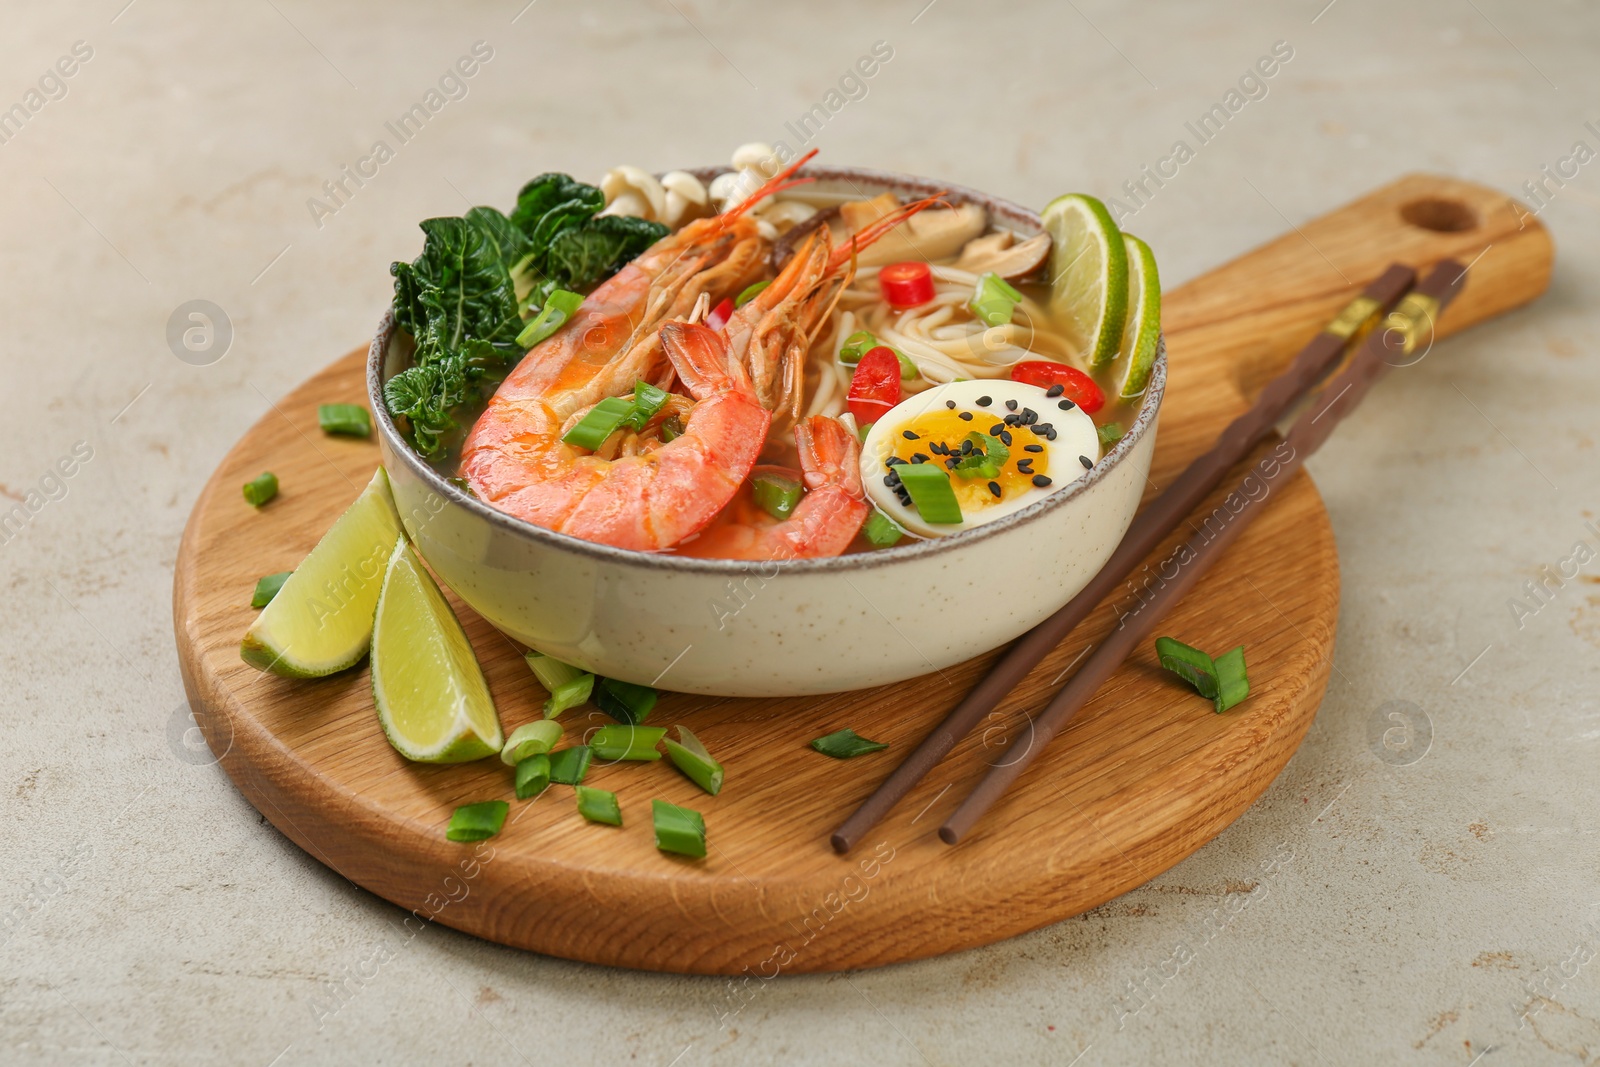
{"type": "Point", "coordinates": [775, 628]}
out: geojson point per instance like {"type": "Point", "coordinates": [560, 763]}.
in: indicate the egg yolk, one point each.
{"type": "Point", "coordinates": [947, 428]}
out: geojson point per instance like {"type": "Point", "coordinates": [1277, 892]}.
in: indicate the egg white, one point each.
{"type": "Point", "coordinates": [1075, 436]}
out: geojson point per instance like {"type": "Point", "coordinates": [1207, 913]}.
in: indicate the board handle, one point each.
{"type": "Point", "coordinates": [1234, 328]}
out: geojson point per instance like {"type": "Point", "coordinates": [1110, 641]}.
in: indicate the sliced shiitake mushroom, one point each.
{"type": "Point", "coordinates": [1000, 253]}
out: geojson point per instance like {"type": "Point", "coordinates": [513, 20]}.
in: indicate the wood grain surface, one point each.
{"type": "Point", "coordinates": [1144, 776]}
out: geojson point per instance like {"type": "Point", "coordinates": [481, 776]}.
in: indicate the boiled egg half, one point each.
{"type": "Point", "coordinates": [992, 446]}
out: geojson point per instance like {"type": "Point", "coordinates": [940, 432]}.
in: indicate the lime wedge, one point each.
{"type": "Point", "coordinates": [432, 700]}
{"type": "Point", "coordinates": [1089, 275]}
{"type": "Point", "coordinates": [321, 620]}
{"type": "Point", "coordinates": [1143, 326]}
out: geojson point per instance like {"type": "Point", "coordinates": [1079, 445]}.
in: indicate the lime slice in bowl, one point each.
{"type": "Point", "coordinates": [1143, 325]}
{"type": "Point", "coordinates": [433, 702]}
{"type": "Point", "coordinates": [1088, 275]}
{"type": "Point", "coordinates": [321, 619]}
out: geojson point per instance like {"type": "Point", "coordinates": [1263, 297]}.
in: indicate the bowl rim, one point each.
{"type": "Point", "coordinates": [917, 549]}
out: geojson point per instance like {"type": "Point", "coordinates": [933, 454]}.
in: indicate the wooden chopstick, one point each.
{"type": "Point", "coordinates": [1149, 528]}
{"type": "Point", "coordinates": [1412, 321]}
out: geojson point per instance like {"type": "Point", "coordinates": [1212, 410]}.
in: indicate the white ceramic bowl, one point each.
{"type": "Point", "coordinates": [782, 628]}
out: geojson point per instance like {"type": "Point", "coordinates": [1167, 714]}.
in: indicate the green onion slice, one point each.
{"type": "Point", "coordinates": [474, 822]}
{"type": "Point", "coordinates": [855, 346]}
{"type": "Point", "coordinates": [350, 420]}
{"type": "Point", "coordinates": [750, 292]}
{"type": "Point", "coordinates": [994, 299]}
{"type": "Point", "coordinates": [567, 685]}
{"type": "Point", "coordinates": [267, 588]}
{"type": "Point", "coordinates": [988, 455]}
{"type": "Point", "coordinates": [599, 423]}
{"type": "Point", "coordinates": [568, 766]}
{"type": "Point", "coordinates": [776, 494]}
{"type": "Point", "coordinates": [679, 830]}
{"type": "Point", "coordinates": [846, 743]}
{"type": "Point", "coordinates": [1109, 434]}
{"type": "Point", "coordinates": [533, 776]}
{"type": "Point", "coordinates": [1232, 685]}
{"type": "Point", "coordinates": [530, 739]}
{"type": "Point", "coordinates": [625, 742]}
{"type": "Point", "coordinates": [624, 701]}
{"type": "Point", "coordinates": [1190, 664]}
{"type": "Point", "coordinates": [672, 428]}
{"type": "Point", "coordinates": [690, 756]}
{"type": "Point", "coordinates": [930, 492]}
{"type": "Point", "coordinates": [560, 306]}
{"type": "Point", "coordinates": [880, 530]}
{"type": "Point", "coordinates": [599, 805]}
{"type": "Point", "coordinates": [260, 489]}
{"type": "Point", "coordinates": [908, 369]}
{"type": "Point", "coordinates": [647, 400]}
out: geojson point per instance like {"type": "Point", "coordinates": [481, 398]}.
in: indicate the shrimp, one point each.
{"type": "Point", "coordinates": [822, 524]}
{"type": "Point", "coordinates": [652, 499]}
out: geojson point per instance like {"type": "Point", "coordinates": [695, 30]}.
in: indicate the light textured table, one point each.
{"type": "Point", "coordinates": [1373, 907]}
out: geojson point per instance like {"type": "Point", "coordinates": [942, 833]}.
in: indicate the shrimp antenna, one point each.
{"type": "Point", "coordinates": [776, 184]}
{"type": "Point", "coordinates": [868, 234]}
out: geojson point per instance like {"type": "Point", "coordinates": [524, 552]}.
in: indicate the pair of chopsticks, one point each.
{"type": "Point", "coordinates": [1413, 317]}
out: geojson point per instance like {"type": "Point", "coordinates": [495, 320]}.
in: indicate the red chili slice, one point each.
{"type": "Point", "coordinates": [1076, 386]}
{"type": "Point", "coordinates": [906, 285]}
{"type": "Point", "coordinates": [720, 314]}
{"type": "Point", "coordinates": [875, 386]}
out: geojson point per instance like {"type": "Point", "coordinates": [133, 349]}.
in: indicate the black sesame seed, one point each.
{"type": "Point", "coordinates": [1066, 405]}
{"type": "Point", "coordinates": [1025, 466]}
{"type": "Point", "coordinates": [985, 401]}
{"type": "Point", "coordinates": [1055, 390]}
{"type": "Point", "coordinates": [1011, 405]}
{"type": "Point", "coordinates": [994, 487]}
{"type": "Point", "coordinates": [996, 428]}
{"type": "Point", "coordinates": [966, 416]}
{"type": "Point", "coordinates": [966, 448]}
{"type": "Point", "coordinates": [909, 436]}
{"type": "Point", "coordinates": [919, 457]}
{"type": "Point", "coordinates": [1040, 480]}
{"type": "Point", "coordinates": [1029, 416]}
{"type": "Point", "coordinates": [1010, 420]}
{"type": "Point", "coordinates": [891, 480]}
{"type": "Point", "coordinates": [1088, 464]}
{"type": "Point", "coordinates": [952, 462]}
{"type": "Point", "coordinates": [951, 404]}
{"type": "Point", "coordinates": [1005, 437]}
{"type": "Point", "coordinates": [1033, 448]}
{"type": "Point", "coordinates": [893, 461]}
{"type": "Point", "coordinates": [1050, 434]}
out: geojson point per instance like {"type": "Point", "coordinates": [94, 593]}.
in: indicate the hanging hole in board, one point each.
{"type": "Point", "coordinates": [1441, 216]}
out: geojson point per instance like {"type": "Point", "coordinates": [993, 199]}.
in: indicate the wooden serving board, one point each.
{"type": "Point", "coordinates": [1144, 776]}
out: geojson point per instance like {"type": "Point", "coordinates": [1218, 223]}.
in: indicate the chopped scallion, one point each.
{"type": "Point", "coordinates": [624, 701]}
{"type": "Point", "coordinates": [908, 369]}
{"type": "Point", "coordinates": [1232, 685]}
{"type": "Point", "coordinates": [474, 822]}
{"type": "Point", "coordinates": [260, 489]}
{"type": "Point", "coordinates": [530, 739]}
{"type": "Point", "coordinates": [750, 292]}
{"type": "Point", "coordinates": [775, 493]}
{"type": "Point", "coordinates": [647, 400]}
{"type": "Point", "coordinates": [1190, 664]}
{"type": "Point", "coordinates": [880, 530]}
{"type": "Point", "coordinates": [690, 757]}
{"type": "Point", "coordinates": [568, 766]}
{"type": "Point", "coordinates": [267, 588]}
{"type": "Point", "coordinates": [672, 428]}
{"type": "Point", "coordinates": [599, 805]}
{"type": "Point", "coordinates": [599, 423]}
{"type": "Point", "coordinates": [988, 455]}
{"type": "Point", "coordinates": [931, 493]}
{"type": "Point", "coordinates": [846, 743]}
{"type": "Point", "coordinates": [567, 685]}
{"type": "Point", "coordinates": [855, 346]}
{"type": "Point", "coordinates": [625, 742]}
{"type": "Point", "coordinates": [533, 776]}
{"type": "Point", "coordinates": [1109, 434]}
{"type": "Point", "coordinates": [679, 830]}
{"type": "Point", "coordinates": [350, 420]}
{"type": "Point", "coordinates": [994, 299]}
{"type": "Point", "coordinates": [559, 306]}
